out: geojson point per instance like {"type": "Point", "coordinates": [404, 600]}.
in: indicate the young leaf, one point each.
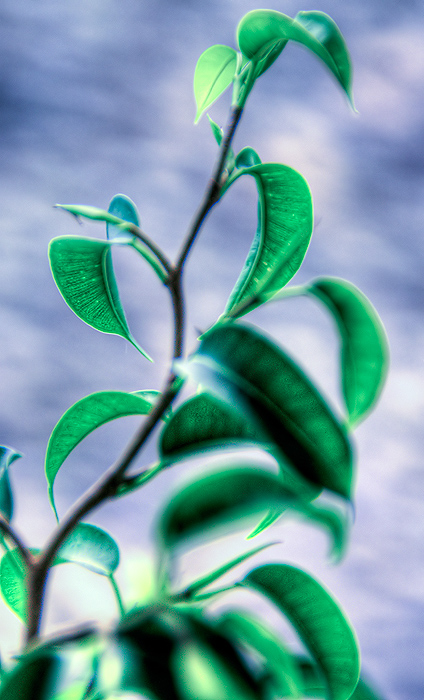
{"type": "Point", "coordinates": [13, 588]}
{"type": "Point", "coordinates": [81, 419]}
{"type": "Point", "coordinates": [263, 34]}
{"type": "Point", "coordinates": [253, 374]}
{"type": "Point", "coordinates": [280, 670]}
{"type": "Point", "coordinates": [82, 270]}
{"type": "Point", "coordinates": [90, 547]}
{"type": "Point", "coordinates": [202, 423]}
{"type": "Point", "coordinates": [216, 130]}
{"type": "Point", "coordinates": [226, 496]}
{"type": "Point", "coordinates": [319, 621]}
{"type": "Point", "coordinates": [285, 221]}
{"type": "Point", "coordinates": [124, 208]}
{"type": "Point", "coordinates": [206, 580]}
{"type": "Point", "coordinates": [364, 348]}
{"type": "Point", "coordinates": [93, 213]}
{"type": "Point", "coordinates": [214, 72]}
{"type": "Point", "coordinates": [247, 158]}
{"type": "Point", "coordinates": [7, 457]}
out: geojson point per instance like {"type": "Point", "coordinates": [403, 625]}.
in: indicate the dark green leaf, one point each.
{"type": "Point", "coordinates": [124, 208]}
{"type": "Point", "coordinates": [202, 423]}
{"type": "Point", "coordinates": [182, 657]}
{"type": "Point", "coordinates": [7, 457]}
{"type": "Point", "coordinates": [266, 522]}
{"type": "Point", "coordinates": [33, 678]}
{"type": "Point", "coordinates": [222, 498]}
{"type": "Point", "coordinates": [285, 221]}
{"type": "Point", "coordinates": [214, 72]}
{"type": "Point", "coordinates": [82, 270]}
{"type": "Point", "coordinates": [364, 349]}
{"type": "Point", "coordinates": [319, 621]}
{"type": "Point", "coordinates": [81, 419]}
{"type": "Point", "coordinates": [279, 668]}
{"type": "Point", "coordinates": [253, 374]}
{"type": "Point", "coordinates": [205, 581]}
{"type": "Point", "coordinates": [13, 573]}
{"type": "Point", "coordinates": [263, 34]}
{"type": "Point", "coordinates": [92, 548]}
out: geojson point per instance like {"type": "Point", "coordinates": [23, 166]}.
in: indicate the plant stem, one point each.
{"type": "Point", "coordinates": [117, 594]}
{"type": "Point", "coordinates": [213, 190]}
{"type": "Point", "coordinates": [10, 532]}
{"type": "Point", "coordinates": [108, 485]}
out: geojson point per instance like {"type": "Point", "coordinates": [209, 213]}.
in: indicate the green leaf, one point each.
{"type": "Point", "coordinates": [33, 678]}
{"type": "Point", "coordinates": [123, 208]}
{"type": "Point", "coordinates": [263, 34]}
{"type": "Point", "coordinates": [94, 213]}
{"type": "Point", "coordinates": [313, 683]}
{"type": "Point", "coordinates": [248, 371]}
{"type": "Point", "coordinates": [82, 270]}
{"type": "Point", "coordinates": [206, 580]}
{"type": "Point", "coordinates": [285, 222]}
{"type": "Point", "coordinates": [247, 157]}
{"type": "Point", "coordinates": [177, 655]}
{"type": "Point", "coordinates": [216, 130]}
{"type": "Point", "coordinates": [204, 422]}
{"type": "Point", "coordinates": [7, 457]}
{"type": "Point", "coordinates": [13, 573]}
{"type": "Point", "coordinates": [319, 621]}
{"type": "Point", "coordinates": [214, 72]}
{"type": "Point", "coordinates": [90, 547]}
{"type": "Point", "coordinates": [81, 419]}
{"type": "Point", "coordinates": [279, 669]}
{"type": "Point", "coordinates": [364, 347]}
{"type": "Point", "coordinates": [226, 496]}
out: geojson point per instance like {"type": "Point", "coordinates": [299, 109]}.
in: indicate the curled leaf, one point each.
{"type": "Point", "coordinates": [248, 371]}
{"type": "Point", "coordinates": [214, 72]}
{"type": "Point", "coordinates": [81, 419]}
{"type": "Point", "coordinates": [7, 457]}
{"type": "Point", "coordinates": [90, 547]}
{"type": "Point", "coordinates": [364, 347]}
{"type": "Point", "coordinates": [319, 621]}
{"type": "Point", "coordinates": [124, 209]}
{"type": "Point", "coordinates": [82, 270]}
{"type": "Point", "coordinates": [285, 222]}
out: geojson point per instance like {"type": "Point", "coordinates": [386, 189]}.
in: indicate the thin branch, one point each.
{"type": "Point", "coordinates": [213, 190]}
{"type": "Point", "coordinates": [12, 535]}
{"type": "Point", "coordinates": [151, 245]}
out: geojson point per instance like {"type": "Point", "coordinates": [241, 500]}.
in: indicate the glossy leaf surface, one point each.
{"type": "Point", "coordinates": [247, 370]}
{"type": "Point", "coordinates": [364, 348]}
{"type": "Point", "coordinates": [202, 423]}
{"type": "Point", "coordinates": [280, 670]}
{"type": "Point", "coordinates": [285, 221]}
{"type": "Point", "coordinates": [263, 34]}
{"type": "Point", "coordinates": [214, 72]}
{"type": "Point", "coordinates": [92, 548]}
{"type": "Point", "coordinates": [13, 582]}
{"type": "Point", "coordinates": [82, 270]}
{"type": "Point", "coordinates": [7, 457]}
{"type": "Point", "coordinates": [227, 496]}
{"type": "Point", "coordinates": [124, 208]}
{"type": "Point", "coordinates": [81, 419]}
{"type": "Point", "coordinates": [319, 621]}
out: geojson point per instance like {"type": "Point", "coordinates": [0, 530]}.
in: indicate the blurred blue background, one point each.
{"type": "Point", "coordinates": [96, 98]}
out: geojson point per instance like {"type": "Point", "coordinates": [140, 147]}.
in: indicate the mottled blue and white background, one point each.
{"type": "Point", "coordinates": [96, 98]}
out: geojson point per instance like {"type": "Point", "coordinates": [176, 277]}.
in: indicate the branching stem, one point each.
{"type": "Point", "coordinates": [8, 530]}
{"type": "Point", "coordinates": [108, 485]}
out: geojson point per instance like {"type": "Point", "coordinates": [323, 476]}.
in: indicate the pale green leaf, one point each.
{"type": "Point", "coordinates": [319, 621]}
{"type": "Point", "coordinates": [82, 270]}
{"type": "Point", "coordinates": [90, 547]}
{"type": "Point", "coordinates": [364, 347]}
{"type": "Point", "coordinates": [82, 418]}
{"type": "Point", "coordinates": [124, 209]}
{"type": "Point", "coordinates": [214, 72]}
{"type": "Point", "coordinates": [94, 213]}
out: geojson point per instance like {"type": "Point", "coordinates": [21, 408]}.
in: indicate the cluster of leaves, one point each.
{"type": "Point", "coordinates": [250, 393]}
